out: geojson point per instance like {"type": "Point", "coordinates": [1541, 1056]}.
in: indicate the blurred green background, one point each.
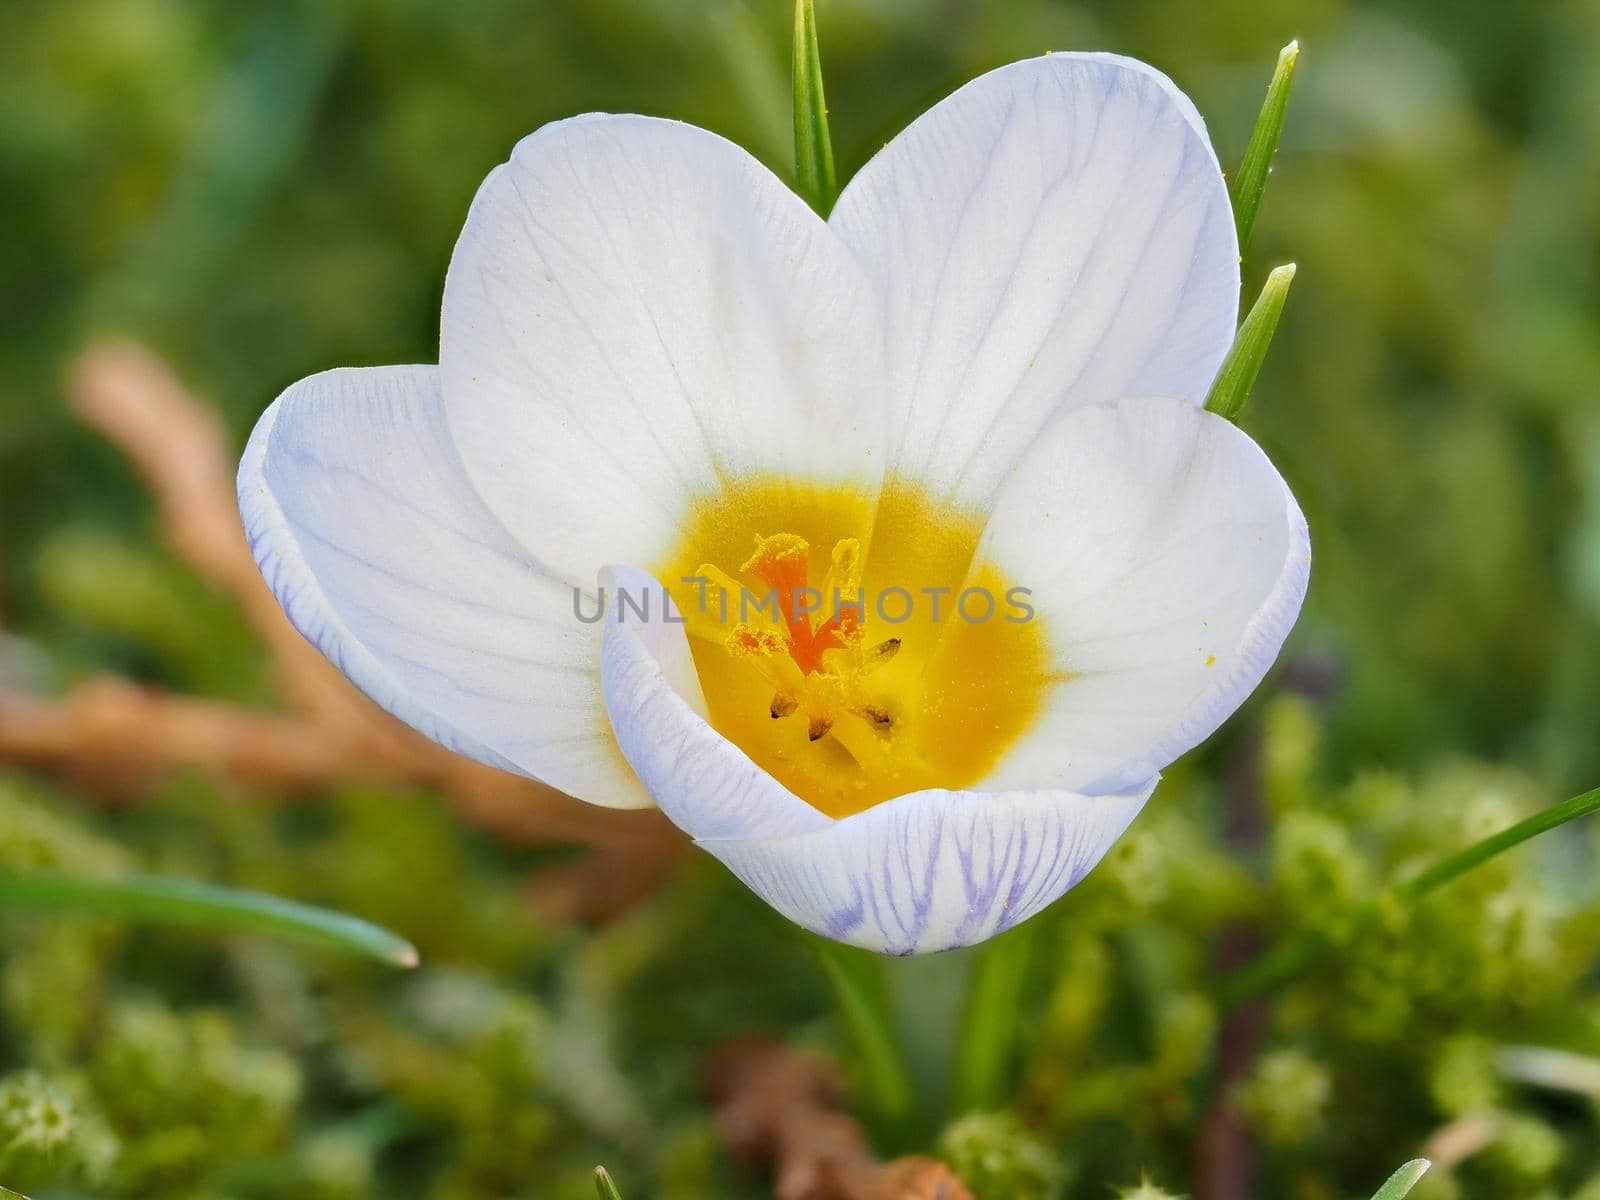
{"type": "Point", "coordinates": [260, 191]}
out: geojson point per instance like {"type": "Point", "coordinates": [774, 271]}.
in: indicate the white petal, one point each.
{"type": "Point", "coordinates": [370, 536]}
{"type": "Point", "coordinates": [933, 870]}
{"type": "Point", "coordinates": [703, 782]}
{"type": "Point", "coordinates": [635, 310]}
{"type": "Point", "coordinates": [1054, 234]}
{"type": "Point", "coordinates": [1168, 560]}
{"type": "Point", "coordinates": [926, 871]}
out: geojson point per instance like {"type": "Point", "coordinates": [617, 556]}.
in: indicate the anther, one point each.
{"type": "Point", "coordinates": [783, 704]}
{"type": "Point", "coordinates": [878, 716]}
{"type": "Point", "coordinates": [880, 654]}
{"type": "Point", "coordinates": [766, 652]}
{"type": "Point", "coordinates": [819, 727]}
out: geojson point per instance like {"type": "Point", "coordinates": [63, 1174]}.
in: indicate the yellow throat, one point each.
{"type": "Point", "coordinates": [849, 642]}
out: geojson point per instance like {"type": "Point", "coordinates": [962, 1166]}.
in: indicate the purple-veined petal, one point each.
{"type": "Point", "coordinates": [926, 871]}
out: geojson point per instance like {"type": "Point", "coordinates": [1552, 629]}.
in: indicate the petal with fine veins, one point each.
{"type": "Point", "coordinates": [1168, 560]}
{"type": "Point", "coordinates": [1056, 233]}
{"type": "Point", "coordinates": [636, 310]}
{"type": "Point", "coordinates": [933, 870]}
{"type": "Point", "coordinates": [370, 536]}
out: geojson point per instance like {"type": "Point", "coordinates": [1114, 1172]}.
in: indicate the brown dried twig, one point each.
{"type": "Point", "coordinates": [780, 1107]}
{"type": "Point", "coordinates": [115, 738]}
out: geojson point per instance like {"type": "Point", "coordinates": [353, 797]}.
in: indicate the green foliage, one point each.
{"type": "Point", "coordinates": [1372, 1049]}
{"type": "Point", "coordinates": [813, 147]}
{"type": "Point", "coordinates": [185, 1091]}
{"type": "Point", "coordinates": [1250, 180]}
{"type": "Point", "coordinates": [1286, 1096]}
{"type": "Point", "coordinates": [127, 897]}
{"type": "Point", "coordinates": [858, 981]}
{"type": "Point", "coordinates": [122, 601]}
{"type": "Point", "coordinates": [1403, 1180]}
{"type": "Point", "coordinates": [262, 192]}
{"type": "Point", "coordinates": [987, 1039]}
{"type": "Point", "coordinates": [43, 1134]}
{"type": "Point", "coordinates": [521, 1052]}
{"type": "Point", "coordinates": [1146, 1191]}
{"type": "Point", "coordinates": [1239, 369]}
{"type": "Point", "coordinates": [998, 1158]}
{"type": "Point", "coordinates": [37, 832]}
{"type": "Point", "coordinates": [603, 1185]}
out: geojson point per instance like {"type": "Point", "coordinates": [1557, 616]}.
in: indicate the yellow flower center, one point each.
{"type": "Point", "coordinates": [849, 643]}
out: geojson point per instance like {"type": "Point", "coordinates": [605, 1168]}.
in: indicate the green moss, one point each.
{"type": "Point", "coordinates": [1286, 1097]}
{"type": "Point", "coordinates": [261, 191]}
{"type": "Point", "coordinates": [999, 1159]}
{"type": "Point", "coordinates": [185, 1090]}
{"type": "Point", "coordinates": [37, 830]}
{"type": "Point", "coordinates": [46, 1136]}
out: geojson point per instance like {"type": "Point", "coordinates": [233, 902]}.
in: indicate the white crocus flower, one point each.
{"type": "Point", "coordinates": [983, 373]}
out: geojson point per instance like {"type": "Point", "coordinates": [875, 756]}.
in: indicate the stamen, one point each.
{"type": "Point", "coordinates": [718, 580]}
{"type": "Point", "coordinates": [766, 653]}
{"type": "Point", "coordinates": [841, 590]}
{"type": "Point", "coordinates": [790, 643]}
{"type": "Point", "coordinates": [878, 716]}
{"type": "Point", "coordinates": [814, 663]}
{"type": "Point", "coordinates": [864, 745]}
{"type": "Point", "coordinates": [879, 655]}
{"type": "Point", "coordinates": [844, 570]}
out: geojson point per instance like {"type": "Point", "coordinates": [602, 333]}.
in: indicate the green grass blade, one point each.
{"type": "Point", "coordinates": [1250, 180]}
{"type": "Point", "coordinates": [1403, 1180]}
{"type": "Point", "coordinates": [603, 1186]}
{"type": "Point", "coordinates": [813, 149]}
{"type": "Point", "coordinates": [1239, 369]}
{"type": "Point", "coordinates": [1289, 958]}
{"type": "Point", "coordinates": [861, 1003]}
{"type": "Point", "coordinates": [987, 1043]}
{"type": "Point", "coordinates": [202, 905]}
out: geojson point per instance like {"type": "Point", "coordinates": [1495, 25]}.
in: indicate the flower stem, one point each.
{"type": "Point", "coordinates": [813, 148]}
{"type": "Point", "coordinates": [986, 1045]}
{"type": "Point", "coordinates": [861, 1002]}
{"type": "Point", "coordinates": [188, 902]}
{"type": "Point", "coordinates": [1250, 180]}
{"type": "Point", "coordinates": [1289, 958]}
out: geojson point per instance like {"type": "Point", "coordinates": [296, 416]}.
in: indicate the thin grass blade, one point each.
{"type": "Point", "coordinates": [187, 902]}
{"type": "Point", "coordinates": [1239, 369]}
{"type": "Point", "coordinates": [1250, 180]}
{"type": "Point", "coordinates": [861, 1002]}
{"type": "Point", "coordinates": [813, 148]}
{"type": "Point", "coordinates": [986, 1046]}
{"type": "Point", "coordinates": [1403, 1180]}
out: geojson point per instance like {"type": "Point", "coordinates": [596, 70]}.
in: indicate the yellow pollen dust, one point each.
{"type": "Point", "coordinates": [849, 643]}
